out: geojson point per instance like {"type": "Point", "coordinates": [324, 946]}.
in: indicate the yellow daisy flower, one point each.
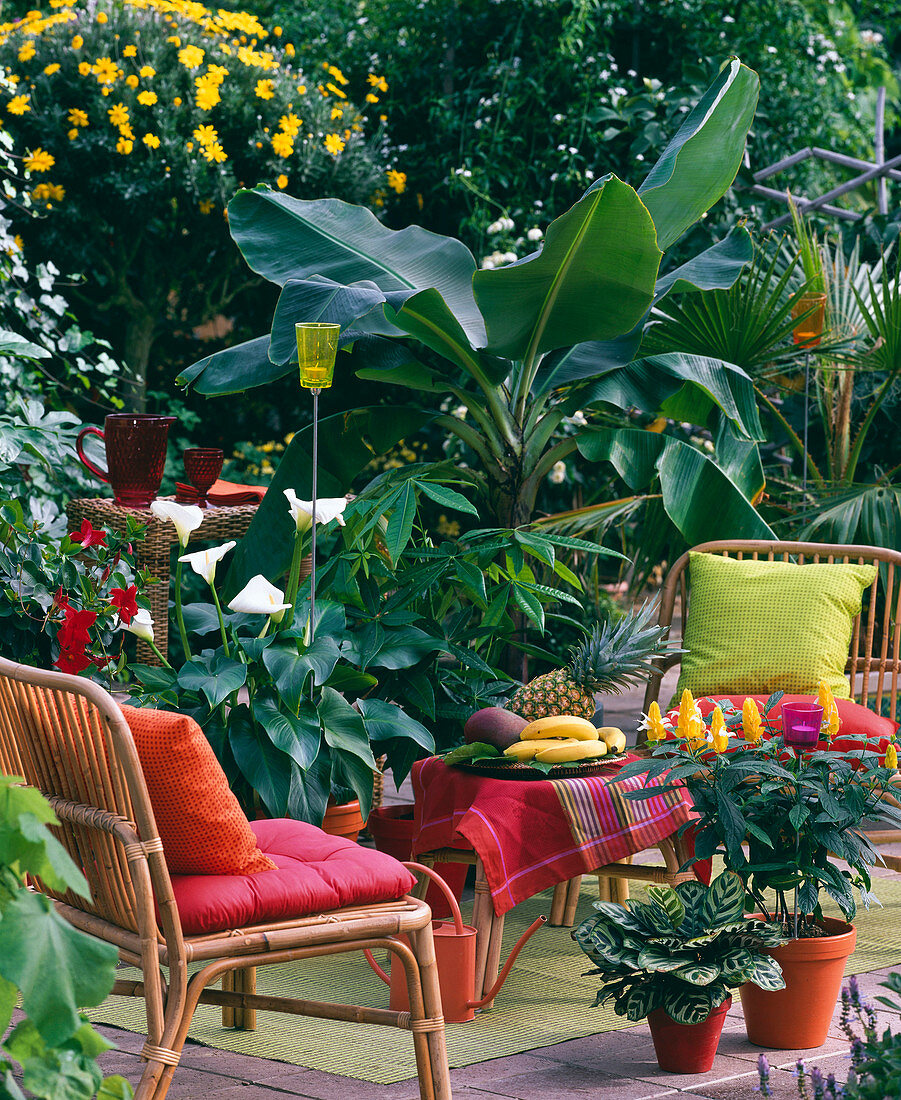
{"type": "Point", "coordinates": [370, 98]}
{"type": "Point", "coordinates": [335, 90]}
{"type": "Point", "coordinates": [397, 181]}
{"type": "Point", "coordinates": [214, 153]}
{"type": "Point", "coordinates": [282, 145]}
{"type": "Point", "coordinates": [102, 17]}
{"type": "Point", "coordinates": [131, 80]}
{"type": "Point", "coordinates": [27, 52]}
{"type": "Point", "coordinates": [291, 124]}
{"type": "Point", "coordinates": [282, 181]}
{"type": "Point", "coordinates": [105, 69]}
{"type": "Point", "coordinates": [207, 97]}
{"type": "Point", "coordinates": [289, 52]}
{"type": "Point", "coordinates": [124, 146]}
{"type": "Point", "coordinates": [215, 74]}
{"type": "Point", "coordinates": [147, 99]}
{"type": "Point", "coordinates": [77, 42]}
{"type": "Point", "coordinates": [49, 70]}
{"type": "Point", "coordinates": [265, 89]}
{"type": "Point", "coordinates": [177, 101]}
{"type": "Point", "coordinates": [77, 117]}
{"type": "Point", "coordinates": [72, 135]}
{"type": "Point", "coordinates": [83, 68]}
{"type": "Point", "coordinates": [118, 115]}
{"type": "Point", "coordinates": [19, 104]}
{"type": "Point", "coordinates": [57, 192]}
{"type": "Point", "coordinates": [147, 71]}
{"type": "Point", "coordinates": [206, 135]}
{"type": "Point", "coordinates": [333, 144]}
{"type": "Point", "coordinates": [151, 141]}
{"type": "Point", "coordinates": [191, 57]}
{"type": "Point", "coordinates": [206, 206]}
{"type": "Point", "coordinates": [130, 51]}
{"type": "Point", "coordinates": [38, 160]}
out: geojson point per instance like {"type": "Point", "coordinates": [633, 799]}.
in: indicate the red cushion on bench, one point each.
{"type": "Point", "coordinates": [315, 872]}
{"type": "Point", "coordinates": [857, 721]}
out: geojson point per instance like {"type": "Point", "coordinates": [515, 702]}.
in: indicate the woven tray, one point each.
{"type": "Point", "coordinates": [518, 770]}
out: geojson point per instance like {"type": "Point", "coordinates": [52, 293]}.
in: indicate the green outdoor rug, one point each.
{"type": "Point", "coordinates": [545, 1000]}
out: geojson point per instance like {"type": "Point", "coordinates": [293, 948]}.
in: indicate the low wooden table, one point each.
{"type": "Point", "coordinates": [154, 553]}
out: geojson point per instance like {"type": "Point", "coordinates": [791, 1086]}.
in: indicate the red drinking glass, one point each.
{"type": "Point", "coordinates": [203, 465]}
{"type": "Point", "coordinates": [135, 454]}
{"type": "Point", "coordinates": [801, 724]}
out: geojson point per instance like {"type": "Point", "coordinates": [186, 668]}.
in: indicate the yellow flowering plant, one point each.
{"type": "Point", "coordinates": [776, 816]}
{"type": "Point", "coordinates": [138, 121]}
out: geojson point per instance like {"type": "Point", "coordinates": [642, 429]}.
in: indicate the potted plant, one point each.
{"type": "Point", "coordinates": [780, 819]}
{"type": "Point", "coordinates": [676, 959]}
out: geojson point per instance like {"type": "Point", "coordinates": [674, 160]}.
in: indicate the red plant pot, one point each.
{"type": "Point", "coordinates": [392, 829]}
{"type": "Point", "coordinates": [687, 1048]}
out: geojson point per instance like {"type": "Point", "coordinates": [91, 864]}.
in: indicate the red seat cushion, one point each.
{"type": "Point", "coordinates": [203, 828]}
{"type": "Point", "coordinates": [315, 872]}
{"type": "Point", "coordinates": [858, 722]}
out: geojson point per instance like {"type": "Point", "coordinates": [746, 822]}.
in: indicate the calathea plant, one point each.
{"type": "Point", "coordinates": [521, 348]}
{"type": "Point", "coordinates": [684, 950]}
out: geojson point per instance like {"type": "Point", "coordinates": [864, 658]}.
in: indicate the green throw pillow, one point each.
{"type": "Point", "coordinates": [761, 626]}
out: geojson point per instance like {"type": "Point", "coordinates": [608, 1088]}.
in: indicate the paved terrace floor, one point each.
{"type": "Point", "coordinates": [614, 1066]}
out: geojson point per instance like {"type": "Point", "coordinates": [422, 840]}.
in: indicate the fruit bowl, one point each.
{"type": "Point", "coordinates": [494, 768]}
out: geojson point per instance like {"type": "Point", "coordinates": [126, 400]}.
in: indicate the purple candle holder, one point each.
{"type": "Point", "coordinates": [801, 724]}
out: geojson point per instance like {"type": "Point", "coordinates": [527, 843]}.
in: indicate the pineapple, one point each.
{"type": "Point", "coordinates": [610, 657]}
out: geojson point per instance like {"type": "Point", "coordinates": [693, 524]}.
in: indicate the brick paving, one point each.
{"type": "Point", "coordinates": [614, 1066]}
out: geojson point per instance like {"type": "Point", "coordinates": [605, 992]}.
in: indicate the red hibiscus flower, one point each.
{"type": "Point", "coordinates": [87, 536]}
{"type": "Point", "coordinates": [123, 599]}
{"type": "Point", "coordinates": [72, 660]}
{"type": "Point", "coordinates": [73, 634]}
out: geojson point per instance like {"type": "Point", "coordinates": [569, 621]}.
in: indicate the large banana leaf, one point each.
{"type": "Point", "coordinates": [698, 496]}
{"type": "Point", "coordinates": [684, 387]}
{"type": "Point", "coordinates": [700, 163]}
{"type": "Point", "coordinates": [593, 279]}
{"type": "Point", "coordinates": [347, 442]}
{"type": "Point", "coordinates": [285, 238]}
{"type": "Point", "coordinates": [234, 369]}
{"type": "Point", "coordinates": [716, 268]}
{"type": "Point", "coordinates": [392, 362]}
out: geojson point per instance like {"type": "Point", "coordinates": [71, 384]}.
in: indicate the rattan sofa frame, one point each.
{"type": "Point", "coordinates": [67, 736]}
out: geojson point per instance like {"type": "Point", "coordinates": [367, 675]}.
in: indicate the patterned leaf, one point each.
{"type": "Point", "coordinates": [668, 900]}
{"type": "Point", "coordinates": [737, 965]}
{"type": "Point", "coordinates": [725, 900]}
{"type": "Point", "coordinates": [697, 973]}
{"type": "Point", "coordinates": [640, 1000]}
{"type": "Point", "coordinates": [766, 973]}
{"type": "Point", "coordinates": [692, 1005]}
{"type": "Point", "coordinates": [653, 958]}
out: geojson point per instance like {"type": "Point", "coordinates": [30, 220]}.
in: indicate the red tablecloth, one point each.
{"type": "Point", "coordinates": [532, 834]}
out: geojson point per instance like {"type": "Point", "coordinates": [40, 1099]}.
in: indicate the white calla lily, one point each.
{"type": "Point", "coordinates": [327, 509]}
{"type": "Point", "coordinates": [204, 562]}
{"type": "Point", "coordinates": [259, 597]}
{"type": "Point", "coordinates": [186, 517]}
{"type": "Point", "coordinates": [141, 625]}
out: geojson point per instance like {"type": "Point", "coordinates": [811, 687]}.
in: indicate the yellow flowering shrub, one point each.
{"type": "Point", "coordinates": [142, 118]}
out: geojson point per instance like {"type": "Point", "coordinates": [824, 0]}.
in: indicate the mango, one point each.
{"type": "Point", "coordinates": [494, 726]}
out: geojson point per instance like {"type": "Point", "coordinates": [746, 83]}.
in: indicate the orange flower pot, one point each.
{"type": "Point", "coordinates": [344, 820]}
{"type": "Point", "coordinates": [798, 1017]}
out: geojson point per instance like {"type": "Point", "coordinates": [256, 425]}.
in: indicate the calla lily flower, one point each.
{"type": "Point", "coordinates": [327, 509]}
{"type": "Point", "coordinates": [259, 597]}
{"type": "Point", "coordinates": [141, 625]}
{"type": "Point", "coordinates": [204, 562]}
{"type": "Point", "coordinates": [186, 517]}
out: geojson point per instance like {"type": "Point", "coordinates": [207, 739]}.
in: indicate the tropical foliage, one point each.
{"type": "Point", "coordinates": [684, 950]}
{"type": "Point", "coordinates": [53, 1045]}
{"type": "Point", "coordinates": [169, 106]}
{"type": "Point", "coordinates": [522, 348]}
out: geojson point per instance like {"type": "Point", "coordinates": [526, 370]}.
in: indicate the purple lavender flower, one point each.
{"type": "Point", "coordinates": [763, 1070]}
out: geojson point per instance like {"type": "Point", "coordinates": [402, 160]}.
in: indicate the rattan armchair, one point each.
{"type": "Point", "coordinates": [69, 739]}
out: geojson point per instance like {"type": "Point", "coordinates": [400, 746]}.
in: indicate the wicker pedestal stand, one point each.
{"type": "Point", "coordinates": [155, 552]}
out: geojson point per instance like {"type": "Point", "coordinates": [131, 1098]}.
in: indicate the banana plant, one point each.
{"type": "Point", "coordinates": [521, 348]}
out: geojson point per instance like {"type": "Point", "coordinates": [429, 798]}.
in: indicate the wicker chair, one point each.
{"type": "Point", "coordinates": [874, 658]}
{"type": "Point", "coordinates": [69, 739]}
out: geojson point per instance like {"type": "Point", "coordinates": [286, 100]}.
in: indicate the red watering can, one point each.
{"type": "Point", "coordinates": [455, 952]}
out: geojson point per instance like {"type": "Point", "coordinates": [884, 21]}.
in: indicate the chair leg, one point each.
{"type": "Point", "coordinates": [558, 904]}
{"type": "Point", "coordinates": [572, 901]}
{"type": "Point", "coordinates": [228, 986]}
{"type": "Point", "coordinates": [482, 921]}
{"type": "Point", "coordinates": [613, 889]}
{"type": "Point", "coordinates": [245, 981]}
{"type": "Point", "coordinates": [434, 1075]}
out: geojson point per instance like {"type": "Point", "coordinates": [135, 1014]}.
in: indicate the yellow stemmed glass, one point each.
{"type": "Point", "coordinates": [317, 348]}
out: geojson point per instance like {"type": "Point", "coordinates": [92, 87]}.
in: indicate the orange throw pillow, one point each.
{"type": "Point", "coordinates": [202, 826]}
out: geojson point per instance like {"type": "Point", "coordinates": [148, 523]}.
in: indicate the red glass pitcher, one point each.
{"type": "Point", "coordinates": [135, 454]}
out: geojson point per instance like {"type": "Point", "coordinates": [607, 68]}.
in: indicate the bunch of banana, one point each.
{"type": "Point", "coordinates": [565, 738]}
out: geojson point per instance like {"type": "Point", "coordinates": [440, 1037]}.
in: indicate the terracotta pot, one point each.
{"type": "Point", "coordinates": [392, 829]}
{"type": "Point", "coordinates": [344, 820]}
{"type": "Point", "coordinates": [687, 1048]}
{"type": "Point", "coordinates": [798, 1017]}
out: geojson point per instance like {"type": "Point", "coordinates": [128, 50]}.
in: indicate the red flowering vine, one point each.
{"type": "Point", "coordinates": [88, 536]}
{"type": "Point", "coordinates": [125, 602]}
